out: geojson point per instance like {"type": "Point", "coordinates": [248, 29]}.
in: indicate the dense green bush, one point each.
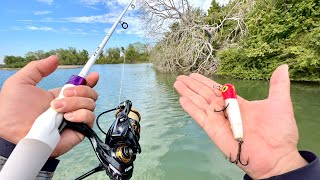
{"type": "Point", "coordinates": [280, 31]}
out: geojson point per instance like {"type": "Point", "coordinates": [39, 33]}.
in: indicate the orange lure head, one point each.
{"type": "Point", "coordinates": [228, 92]}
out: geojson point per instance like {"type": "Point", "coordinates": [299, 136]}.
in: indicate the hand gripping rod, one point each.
{"type": "Point", "coordinates": [32, 151]}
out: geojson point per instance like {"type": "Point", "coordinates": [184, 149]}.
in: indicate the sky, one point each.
{"type": "Point", "coordinates": [31, 25]}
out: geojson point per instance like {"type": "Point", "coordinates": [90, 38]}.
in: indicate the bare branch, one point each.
{"type": "Point", "coordinates": [185, 40]}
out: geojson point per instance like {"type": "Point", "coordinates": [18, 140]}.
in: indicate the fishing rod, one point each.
{"type": "Point", "coordinates": [32, 151]}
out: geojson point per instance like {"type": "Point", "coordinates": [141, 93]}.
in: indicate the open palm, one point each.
{"type": "Point", "coordinates": [270, 131]}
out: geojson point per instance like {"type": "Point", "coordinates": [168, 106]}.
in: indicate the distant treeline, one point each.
{"type": "Point", "coordinates": [134, 53]}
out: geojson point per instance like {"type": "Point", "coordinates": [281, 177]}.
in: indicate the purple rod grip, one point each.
{"type": "Point", "coordinates": [77, 80]}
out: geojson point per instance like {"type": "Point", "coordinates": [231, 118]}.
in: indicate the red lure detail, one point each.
{"type": "Point", "coordinates": [228, 92]}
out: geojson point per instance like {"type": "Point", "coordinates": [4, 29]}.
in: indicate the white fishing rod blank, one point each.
{"type": "Point", "coordinates": [95, 56]}
{"type": "Point", "coordinates": [31, 152]}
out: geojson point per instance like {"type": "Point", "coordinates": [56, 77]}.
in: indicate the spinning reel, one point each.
{"type": "Point", "coordinates": [118, 152]}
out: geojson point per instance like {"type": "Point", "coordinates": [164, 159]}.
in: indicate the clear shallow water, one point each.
{"type": "Point", "coordinates": [173, 146]}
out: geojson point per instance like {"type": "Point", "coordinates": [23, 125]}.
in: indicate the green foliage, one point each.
{"type": "Point", "coordinates": [82, 56]}
{"type": "Point", "coordinates": [114, 55]}
{"type": "Point", "coordinates": [280, 31]}
{"type": "Point", "coordinates": [131, 53]}
{"type": "Point", "coordinates": [14, 61]}
{"type": "Point", "coordinates": [136, 53]}
{"type": "Point", "coordinates": [214, 13]}
{"type": "Point", "coordinates": [102, 59]}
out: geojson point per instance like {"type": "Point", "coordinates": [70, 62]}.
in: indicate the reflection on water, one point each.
{"type": "Point", "coordinates": [173, 145]}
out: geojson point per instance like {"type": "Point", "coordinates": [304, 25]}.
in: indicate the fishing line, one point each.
{"type": "Point", "coordinates": [122, 73]}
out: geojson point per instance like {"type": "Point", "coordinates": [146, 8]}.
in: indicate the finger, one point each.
{"type": "Point", "coordinates": [217, 120]}
{"type": "Point", "coordinates": [197, 87]}
{"type": "Point", "coordinates": [73, 103]}
{"type": "Point", "coordinates": [218, 129]}
{"type": "Point", "coordinates": [68, 140]}
{"type": "Point", "coordinates": [34, 71]}
{"type": "Point", "coordinates": [91, 79]}
{"type": "Point", "coordinates": [196, 113]}
{"type": "Point", "coordinates": [81, 91]}
{"type": "Point", "coordinates": [280, 83]}
{"type": "Point", "coordinates": [214, 124]}
{"type": "Point", "coordinates": [212, 84]}
{"type": "Point", "coordinates": [81, 115]}
{"type": "Point", "coordinates": [208, 82]}
{"type": "Point", "coordinates": [196, 99]}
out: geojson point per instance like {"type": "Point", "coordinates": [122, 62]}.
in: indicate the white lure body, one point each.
{"type": "Point", "coordinates": [233, 110]}
{"type": "Point", "coordinates": [234, 116]}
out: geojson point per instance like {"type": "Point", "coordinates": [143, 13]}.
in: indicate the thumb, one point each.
{"type": "Point", "coordinates": [34, 71]}
{"type": "Point", "coordinates": [280, 83]}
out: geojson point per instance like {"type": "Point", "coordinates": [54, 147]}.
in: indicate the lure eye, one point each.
{"type": "Point", "coordinates": [225, 88]}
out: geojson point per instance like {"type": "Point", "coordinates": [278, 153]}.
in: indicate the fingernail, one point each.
{"type": "Point", "coordinates": [69, 92]}
{"type": "Point", "coordinates": [68, 115]}
{"type": "Point", "coordinates": [57, 104]}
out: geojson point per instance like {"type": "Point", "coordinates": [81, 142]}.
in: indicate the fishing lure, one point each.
{"type": "Point", "coordinates": [233, 114]}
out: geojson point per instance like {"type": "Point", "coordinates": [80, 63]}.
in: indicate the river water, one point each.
{"type": "Point", "coordinates": [173, 145]}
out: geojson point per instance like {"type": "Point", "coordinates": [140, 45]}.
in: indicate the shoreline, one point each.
{"type": "Point", "coordinates": [59, 67]}
{"type": "Point", "coordinates": [71, 66]}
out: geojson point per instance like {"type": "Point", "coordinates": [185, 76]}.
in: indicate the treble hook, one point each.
{"type": "Point", "coordinates": [223, 110]}
{"type": "Point", "coordinates": [238, 159]}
